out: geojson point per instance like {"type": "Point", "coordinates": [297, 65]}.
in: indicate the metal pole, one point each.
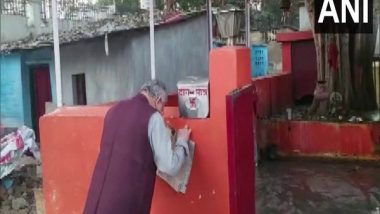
{"type": "Point", "coordinates": [248, 23]}
{"type": "Point", "coordinates": [151, 38]}
{"type": "Point", "coordinates": [57, 62]}
{"type": "Point", "coordinates": [209, 10]}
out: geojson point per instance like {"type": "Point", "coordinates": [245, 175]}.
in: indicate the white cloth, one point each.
{"type": "Point", "coordinates": [168, 160]}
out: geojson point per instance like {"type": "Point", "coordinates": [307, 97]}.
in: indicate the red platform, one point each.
{"type": "Point", "coordinates": [222, 178]}
{"type": "Point", "coordinates": [321, 138]}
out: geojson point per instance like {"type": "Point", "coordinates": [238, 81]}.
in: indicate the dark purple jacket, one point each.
{"type": "Point", "coordinates": [124, 176]}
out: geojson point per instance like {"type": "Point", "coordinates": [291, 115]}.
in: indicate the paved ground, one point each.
{"type": "Point", "coordinates": [301, 186]}
{"type": "Point", "coordinates": [283, 187]}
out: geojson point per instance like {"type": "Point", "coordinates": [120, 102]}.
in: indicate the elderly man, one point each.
{"type": "Point", "coordinates": [135, 142]}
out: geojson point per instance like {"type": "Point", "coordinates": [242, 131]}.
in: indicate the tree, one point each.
{"type": "Point", "coordinates": [189, 4]}
{"type": "Point", "coordinates": [344, 61]}
{"type": "Point", "coordinates": [267, 15]}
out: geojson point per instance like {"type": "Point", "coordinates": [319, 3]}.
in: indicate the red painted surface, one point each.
{"type": "Point", "coordinates": [320, 138]}
{"type": "Point", "coordinates": [286, 57]}
{"type": "Point", "coordinates": [299, 58]}
{"type": "Point", "coordinates": [240, 150]}
{"type": "Point", "coordinates": [70, 143]}
{"type": "Point", "coordinates": [294, 36]}
{"type": "Point", "coordinates": [274, 94]}
{"type": "Point", "coordinates": [172, 100]}
{"type": "Point", "coordinates": [70, 140]}
{"type": "Point", "coordinates": [281, 93]}
{"type": "Point", "coordinates": [304, 70]}
{"type": "Point", "coordinates": [41, 94]}
{"type": "Point", "coordinates": [263, 96]}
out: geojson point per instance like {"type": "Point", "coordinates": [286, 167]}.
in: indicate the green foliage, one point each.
{"type": "Point", "coordinates": [237, 3]}
{"type": "Point", "coordinates": [160, 4]}
{"type": "Point", "coordinates": [270, 15]}
{"type": "Point", "coordinates": [189, 4]}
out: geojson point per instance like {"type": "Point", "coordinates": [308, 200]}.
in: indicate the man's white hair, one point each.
{"type": "Point", "coordinates": [155, 89]}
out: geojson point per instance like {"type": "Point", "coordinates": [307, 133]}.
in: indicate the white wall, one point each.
{"type": "Point", "coordinates": [17, 27]}
{"type": "Point", "coordinates": [13, 28]}
{"type": "Point", "coordinates": [181, 50]}
{"type": "Point", "coordinates": [377, 48]}
{"type": "Point", "coordinates": [304, 21]}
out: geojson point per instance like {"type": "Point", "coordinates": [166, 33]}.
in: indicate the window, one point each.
{"type": "Point", "coordinates": [79, 89]}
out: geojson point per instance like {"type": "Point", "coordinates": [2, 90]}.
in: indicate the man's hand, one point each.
{"type": "Point", "coordinates": [184, 134]}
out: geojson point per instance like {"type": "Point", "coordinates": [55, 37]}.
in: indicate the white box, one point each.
{"type": "Point", "coordinates": [193, 97]}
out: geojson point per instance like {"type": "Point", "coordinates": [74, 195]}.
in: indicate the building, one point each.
{"type": "Point", "coordinates": [101, 63]}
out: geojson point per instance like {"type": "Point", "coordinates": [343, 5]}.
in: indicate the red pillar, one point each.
{"type": "Point", "coordinates": [287, 39]}
{"type": "Point", "coordinates": [286, 57]}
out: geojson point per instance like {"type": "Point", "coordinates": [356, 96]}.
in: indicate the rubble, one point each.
{"type": "Point", "coordinates": [20, 198]}
{"type": "Point", "coordinates": [301, 113]}
{"type": "Point", "coordinates": [20, 173]}
{"type": "Point", "coordinates": [19, 203]}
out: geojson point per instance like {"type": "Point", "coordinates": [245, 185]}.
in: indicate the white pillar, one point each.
{"type": "Point", "coordinates": [377, 42]}
{"type": "Point", "coordinates": [248, 23]}
{"type": "Point", "coordinates": [304, 21]}
{"type": "Point", "coordinates": [151, 38]}
{"type": "Point", "coordinates": [57, 61]}
{"type": "Point", "coordinates": [209, 8]}
{"type": "Point", "coordinates": [33, 16]}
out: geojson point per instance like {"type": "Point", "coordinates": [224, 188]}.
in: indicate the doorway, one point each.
{"type": "Point", "coordinates": [79, 89]}
{"type": "Point", "coordinates": [40, 93]}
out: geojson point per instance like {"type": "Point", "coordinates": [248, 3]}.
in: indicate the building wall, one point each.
{"type": "Point", "coordinates": [304, 20]}
{"type": "Point", "coordinates": [13, 28]}
{"type": "Point", "coordinates": [31, 24]}
{"type": "Point", "coordinates": [15, 85]}
{"type": "Point", "coordinates": [181, 50]}
{"type": "Point", "coordinates": [17, 27]}
{"type": "Point", "coordinates": [26, 94]}
{"type": "Point", "coordinates": [43, 56]}
{"type": "Point", "coordinates": [11, 99]}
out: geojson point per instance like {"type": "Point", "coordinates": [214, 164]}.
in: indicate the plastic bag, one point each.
{"type": "Point", "coordinates": [13, 146]}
